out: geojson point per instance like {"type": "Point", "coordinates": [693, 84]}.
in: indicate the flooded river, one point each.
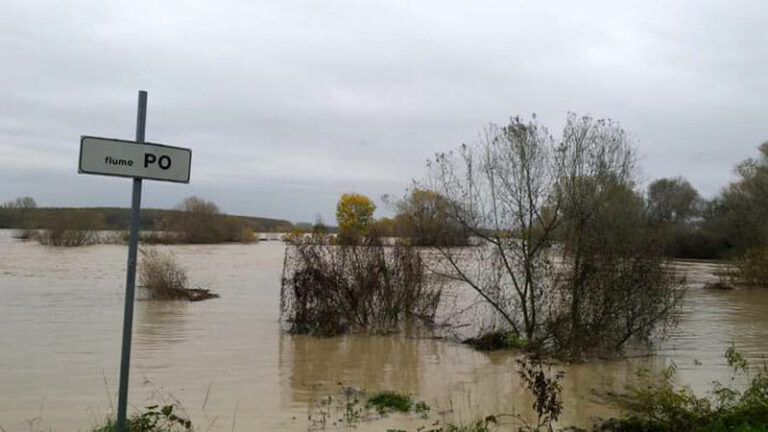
{"type": "Point", "coordinates": [229, 366]}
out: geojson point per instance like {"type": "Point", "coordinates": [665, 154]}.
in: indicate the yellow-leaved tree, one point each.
{"type": "Point", "coordinates": [354, 213]}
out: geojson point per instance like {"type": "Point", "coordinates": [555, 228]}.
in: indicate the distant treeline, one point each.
{"type": "Point", "coordinates": [732, 224]}
{"type": "Point", "coordinates": [114, 218]}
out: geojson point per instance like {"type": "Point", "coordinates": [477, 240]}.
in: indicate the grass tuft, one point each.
{"type": "Point", "coordinates": [389, 401]}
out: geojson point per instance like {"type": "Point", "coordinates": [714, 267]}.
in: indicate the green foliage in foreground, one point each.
{"type": "Point", "coordinates": [154, 419]}
{"type": "Point", "coordinates": [654, 405]}
{"type": "Point", "coordinates": [387, 401]}
{"type": "Point", "coordinates": [351, 406]}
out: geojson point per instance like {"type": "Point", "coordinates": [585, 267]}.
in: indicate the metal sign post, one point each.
{"type": "Point", "coordinates": [130, 278]}
{"type": "Point", "coordinates": [138, 160]}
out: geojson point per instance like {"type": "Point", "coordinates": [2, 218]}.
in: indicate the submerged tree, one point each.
{"type": "Point", "coordinates": [503, 191]}
{"type": "Point", "coordinates": [612, 283]}
{"type": "Point", "coordinates": [534, 203]}
{"type": "Point", "coordinates": [424, 218]}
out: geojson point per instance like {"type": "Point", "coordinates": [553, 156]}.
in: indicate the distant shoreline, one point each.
{"type": "Point", "coordinates": [118, 218]}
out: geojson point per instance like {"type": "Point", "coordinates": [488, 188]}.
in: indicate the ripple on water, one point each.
{"type": "Point", "coordinates": [60, 326]}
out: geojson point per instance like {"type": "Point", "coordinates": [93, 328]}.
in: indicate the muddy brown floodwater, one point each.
{"type": "Point", "coordinates": [229, 366]}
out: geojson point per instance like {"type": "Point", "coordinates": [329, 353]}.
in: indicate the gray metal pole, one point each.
{"type": "Point", "coordinates": [130, 279]}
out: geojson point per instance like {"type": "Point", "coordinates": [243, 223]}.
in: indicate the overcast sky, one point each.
{"type": "Point", "coordinates": [287, 104]}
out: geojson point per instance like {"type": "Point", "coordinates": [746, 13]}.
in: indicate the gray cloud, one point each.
{"type": "Point", "coordinates": [288, 104]}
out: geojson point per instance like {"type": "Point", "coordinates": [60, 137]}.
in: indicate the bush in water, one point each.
{"type": "Point", "coordinates": [329, 289]}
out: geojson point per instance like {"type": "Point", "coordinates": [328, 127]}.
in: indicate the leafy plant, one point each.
{"type": "Point", "coordinates": [546, 391]}
{"type": "Point", "coordinates": [154, 419]}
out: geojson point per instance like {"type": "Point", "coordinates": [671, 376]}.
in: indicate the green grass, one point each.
{"type": "Point", "coordinates": [389, 401]}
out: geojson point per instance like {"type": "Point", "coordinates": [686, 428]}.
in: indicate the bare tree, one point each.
{"type": "Point", "coordinates": [503, 193]}
{"type": "Point", "coordinates": [561, 255]}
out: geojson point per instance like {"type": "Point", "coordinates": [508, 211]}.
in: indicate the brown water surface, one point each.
{"type": "Point", "coordinates": [227, 363]}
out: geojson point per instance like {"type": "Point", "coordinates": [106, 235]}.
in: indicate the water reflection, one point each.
{"type": "Point", "coordinates": [371, 362]}
{"type": "Point", "coordinates": [158, 323]}
{"type": "Point", "coordinates": [449, 376]}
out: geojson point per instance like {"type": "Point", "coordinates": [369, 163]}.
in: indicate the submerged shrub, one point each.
{"type": "Point", "coordinates": [157, 237]}
{"type": "Point", "coordinates": [165, 279]}
{"type": "Point", "coordinates": [25, 234]}
{"type": "Point", "coordinates": [329, 289]}
{"type": "Point", "coordinates": [70, 229]}
{"type": "Point", "coordinates": [65, 237]}
{"type": "Point", "coordinates": [160, 273]}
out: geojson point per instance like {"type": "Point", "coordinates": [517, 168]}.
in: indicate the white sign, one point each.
{"type": "Point", "coordinates": [113, 157]}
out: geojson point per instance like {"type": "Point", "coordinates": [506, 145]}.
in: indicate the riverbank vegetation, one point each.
{"type": "Point", "coordinates": [725, 227]}
{"type": "Point", "coordinates": [655, 404]}
{"type": "Point", "coordinates": [154, 418]}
